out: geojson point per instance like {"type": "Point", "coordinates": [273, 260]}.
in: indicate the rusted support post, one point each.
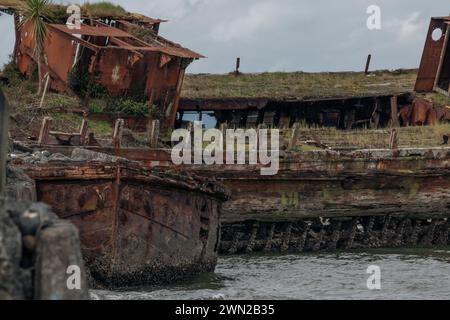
{"type": "Point", "coordinates": [223, 129]}
{"type": "Point", "coordinates": [369, 57]}
{"type": "Point", "coordinates": [4, 118]}
{"type": "Point", "coordinates": [294, 137]}
{"type": "Point", "coordinates": [153, 133]}
{"type": "Point", "coordinates": [414, 237]}
{"type": "Point", "coordinates": [428, 239]}
{"type": "Point", "coordinates": [45, 130]}
{"type": "Point", "coordinates": [393, 141]}
{"type": "Point", "coordinates": [400, 233]}
{"type": "Point", "coordinates": [286, 238]}
{"type": "Point", "coordinates": [238, 65]}
{"type": "Point", "coordinates": [270, 234]}
{"type": "Point", "coordinates": [251, 240]}
{"type": "Point", "coordinates": [118, 133]}
{"type": "Point", "coordinates": [83, 132]}
{"type": "Point", "coordinates": [351, 234]}
{"type": "Point", "coordinates": [394, 112]}
{"type": "Point", "coordinates": [384, 230]}
{"type": "Point", "coordinates": [235, 242]}
{"type": "Point", "coordinates": [335, 236]}
{"type": "Point", "coordinates": [317, 244]}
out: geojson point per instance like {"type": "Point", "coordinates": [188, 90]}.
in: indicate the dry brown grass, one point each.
{"type": "Point", "coordinates": [11, 3]}
{"type": "Point", "coordinates": [412, 137]}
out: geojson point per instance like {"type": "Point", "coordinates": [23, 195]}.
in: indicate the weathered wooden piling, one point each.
{"type": "Point", "coordinates": [238, 65]}
{"type": "Point", "coordinates": [83, 132]}
{"type": "Point", "coordinates": [394, 112]}
{"type": "Point", "coordinates": [45, 130]}
{"type": "Point", "coordinates": [153, 133]}
{"type": "Point", "coordinates": [118, 133]}
{"type": "Point", "coordinates": [295, 136]}
{"type": "Point", "coordinates": [393, 140]}
{"type": "Point", "coordinates": [366, 70]}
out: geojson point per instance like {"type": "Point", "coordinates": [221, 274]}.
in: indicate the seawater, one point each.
{"type": "Point", "coordinates": [405, 274]}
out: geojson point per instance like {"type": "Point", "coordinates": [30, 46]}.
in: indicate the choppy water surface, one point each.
{"type": "Point", "coordinates": [406, 274]}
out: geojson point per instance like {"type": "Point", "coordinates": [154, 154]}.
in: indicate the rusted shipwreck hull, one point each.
{"type": "Point", "coordinates": [327, 200]}
{"type": "Point", "coordinates": [136, 226]}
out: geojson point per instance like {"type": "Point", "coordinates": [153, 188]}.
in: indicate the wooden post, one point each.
{"type": "Point", "coordinates": [294, 137]}
{"type": "Point", "coordinates": [238, 65]}
{"type": "Point", "coordinates": [45, 130]}
{"type": "Point", "coordinates": [83, 132]}
{"type": "Point", "coordinates": [47, 79]}
{"type": "Point", "coordinates": [190, 127]}
{"type": "Point", "coordinates": [369, 57]}
{"type": "Point", "coordinates": [153, 133]}
{"type": "Point", "coordinates": [261, 126]}
{"type": "Point", "coordinates": [4, 118]}
{"type": "Point", "coordinates": [394, 112]}
{"type": "Point", "coordinates": [223, 129]}
{"type": "Point", "coordinates": [375, 118]}
{"type": "Point", "coordinates": [393, 141]}
{"type": "Point", "coordinates": [118, 133]}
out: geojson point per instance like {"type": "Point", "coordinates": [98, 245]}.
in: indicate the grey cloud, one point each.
{"type": "Point", "coordinates": [288, 35]}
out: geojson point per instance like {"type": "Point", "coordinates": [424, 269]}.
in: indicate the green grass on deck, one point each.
{"type": "Point", "coordinates": [298, 85]}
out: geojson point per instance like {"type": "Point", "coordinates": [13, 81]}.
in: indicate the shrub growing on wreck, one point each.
{"type": "Point", "coordinates": [79, 82]}
{"type": "Point", "coordinates": [35, 12]}
{"type": "Point", "coordinates": [128, 106]}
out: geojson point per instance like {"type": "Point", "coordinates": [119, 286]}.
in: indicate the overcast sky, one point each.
{"type": "Point", "coordinates": [286, 35]}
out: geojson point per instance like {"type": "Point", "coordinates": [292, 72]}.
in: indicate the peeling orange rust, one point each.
{"type": "Point", "coordinates": [114, 59]}
{"type": "Point", "coordinates": [137, 226]}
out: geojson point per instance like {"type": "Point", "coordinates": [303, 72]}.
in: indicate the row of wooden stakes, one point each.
{"type": "Point", "coordinates": [81, 138]}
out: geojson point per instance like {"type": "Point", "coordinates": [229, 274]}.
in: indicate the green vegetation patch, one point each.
{"type": "Point", "coordinates": [103, 9]}
{"type": "Point", "coordinates": [298, 85]}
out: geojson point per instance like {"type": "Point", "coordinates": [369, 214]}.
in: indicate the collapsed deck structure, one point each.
{"type": "Point", "coordinates": [344, 100]}
{"type": "Point", "coordinates": [104, 55]}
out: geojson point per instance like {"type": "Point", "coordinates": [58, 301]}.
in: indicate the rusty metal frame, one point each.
{"type": "Point", "coordinates": [432, 56]}
{"type": "Point", "coordinates": [441, 62]}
